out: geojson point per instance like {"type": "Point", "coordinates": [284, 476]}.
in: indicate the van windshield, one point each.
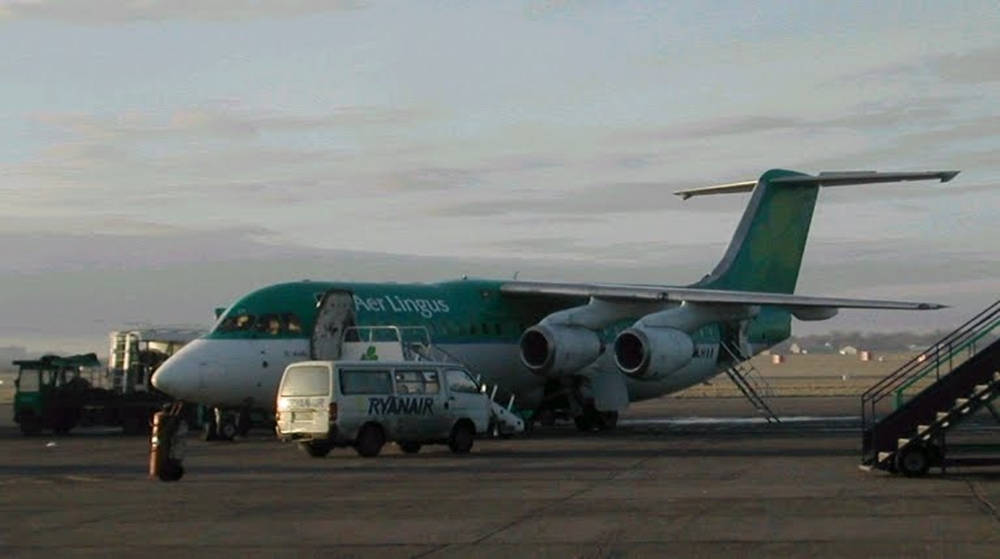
{"type": "Point", "coordinates": [307, 380]}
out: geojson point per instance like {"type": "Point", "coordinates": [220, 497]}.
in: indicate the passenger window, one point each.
{"type": "Point", "coordinates": [365, 381]}
{"type": "Point", "coordinates": [431, 383]}
{"type": "Point", "coordinates": [460, 381]}
{"type": "Point", "coordinates": [409, 382]}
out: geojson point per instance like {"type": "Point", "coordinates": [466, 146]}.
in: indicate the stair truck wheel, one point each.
{"type": "Point", "coordinates": [370, 440]}
{"type": "Point", "coordinates": [409, 447]}
{"type": "Point", "coordinates": [30, 424]}
{"type": "Point", "coordinates": [316, 449]}
{"type": "Point", "coordinates": [913, 460]}
{"type": "Point", "coordinates": [463, 434]}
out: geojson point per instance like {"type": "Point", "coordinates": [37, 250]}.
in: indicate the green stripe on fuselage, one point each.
{"type": "Point", "coordinates": [454, 312]}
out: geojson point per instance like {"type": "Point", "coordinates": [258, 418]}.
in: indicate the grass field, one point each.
{"type": "Point", "coordinates": [808, 375]}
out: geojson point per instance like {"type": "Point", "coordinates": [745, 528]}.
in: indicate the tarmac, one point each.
{"type": "Point", "coordinates": [679, 478]}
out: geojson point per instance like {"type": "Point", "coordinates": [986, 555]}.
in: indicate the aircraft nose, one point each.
{"type": "Point", "coordinates": [178, 375]}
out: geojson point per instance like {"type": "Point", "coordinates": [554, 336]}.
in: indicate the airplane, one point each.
{"type": "Point", "coordinates": [586, 349]}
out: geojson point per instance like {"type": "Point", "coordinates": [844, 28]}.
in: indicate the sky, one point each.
{"type": "Point", "coordinates": [159, 159]}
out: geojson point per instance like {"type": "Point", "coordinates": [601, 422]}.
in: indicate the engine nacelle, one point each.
{"type": "Point", "coordinates": [647, 353]}
{"type": "Point", "coordinates": [553, 350]}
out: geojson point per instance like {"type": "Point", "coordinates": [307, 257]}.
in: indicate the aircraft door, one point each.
{"type": "Point", "coordinates": [336, 312]}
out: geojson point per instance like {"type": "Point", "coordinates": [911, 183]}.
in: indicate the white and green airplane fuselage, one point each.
{"type": "Point", "coordinates": [594, 345]}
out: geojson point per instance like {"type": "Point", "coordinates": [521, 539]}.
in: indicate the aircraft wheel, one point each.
{"type": "Point", "coordinates": [316, 449]}
{"type": "Point", "coordinates": [583, 423]}
{"type": "Point", "coordinates": [913, 461]}
{"type": "Point", "coordinates": [608, 420]}
{"type": "Point", "coordinates": [228, 429]}
{"type": "Point", "coordinates": [370, 441]}
{"type": "Point", "coordinates": [171, 471]}
{"type": "Point", "coordinates": [462, 437]}
{"type": "Point", "coordinates": [547, 417]}
{"type": "Point", "coordinates": [409, 447]}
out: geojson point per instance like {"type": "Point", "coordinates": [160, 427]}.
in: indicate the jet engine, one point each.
{"type": "Point", "coordinates": [647, 353]}
{"type": "Point", "coordinates": [553, 350]}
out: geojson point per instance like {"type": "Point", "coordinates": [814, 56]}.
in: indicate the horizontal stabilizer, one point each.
{"type": "Point", "coordinates": [842, 178]}
{"type": "Point", "coordinates": [637, 293]}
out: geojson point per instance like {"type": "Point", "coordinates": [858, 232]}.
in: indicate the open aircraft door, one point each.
{"type": "Point", "coordinates": [336, 313]}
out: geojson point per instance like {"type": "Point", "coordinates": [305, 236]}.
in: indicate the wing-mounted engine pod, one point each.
{"type": "Point", "coordinates": [649, 353]}
{"type": "Point", "coordinates": [558, 350]}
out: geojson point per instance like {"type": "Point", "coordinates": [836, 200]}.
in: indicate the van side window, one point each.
{"type": "Point", "coordinates": [409, 382]}
{"type": "Point", "coordinates": [417, 382]}
{"type": "Point", "coordinates": [365, 381]}
{"type": "Point", "coordinates": [460, 381]}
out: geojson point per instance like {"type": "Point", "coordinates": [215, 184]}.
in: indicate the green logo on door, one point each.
{"type": "Point", "coordinates": [370, 354]}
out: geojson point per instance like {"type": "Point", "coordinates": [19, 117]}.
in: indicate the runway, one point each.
{"type": "Point", "coordinates": [654, 488]}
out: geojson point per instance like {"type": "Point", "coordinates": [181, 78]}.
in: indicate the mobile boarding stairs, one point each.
{"type": "Point", "coordinates": [413, 343]}
{"type": "Point", "coordinates": [950, 382]}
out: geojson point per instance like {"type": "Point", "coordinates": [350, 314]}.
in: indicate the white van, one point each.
{"type": "Point", "coordinates": [364, 404]}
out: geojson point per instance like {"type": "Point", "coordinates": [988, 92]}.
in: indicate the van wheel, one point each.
{"type": "Point", "coordinates": [370, 441]}
{"type": "Point", "coordinates": [409, 447]}
{"type": "Point", "coordinates": [316, 449]}
{"type": "Point", "coordinates": [462, 437]}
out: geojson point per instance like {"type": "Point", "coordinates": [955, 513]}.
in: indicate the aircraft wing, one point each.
{"type": "Point", "coordinates": [640, 293]}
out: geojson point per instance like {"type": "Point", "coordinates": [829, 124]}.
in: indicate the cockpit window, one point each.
{"type": "Point", "coordinates": [293, 323]}
{"type": "Point", "coordinates": [236, 323]}
{"type": "Point", "coordinates": [269, 324]}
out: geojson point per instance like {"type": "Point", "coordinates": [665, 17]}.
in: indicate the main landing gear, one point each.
{"type": "Point", "coordinates": [227, 424]}
{"type": "Point", "coordinates": [594, 420]}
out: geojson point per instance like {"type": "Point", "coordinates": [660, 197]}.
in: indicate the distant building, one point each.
{"type": "Point", "coordinates": [865, 355]}
{"type": "Point", "coordinates": [848, 350]}
{"type": "Point", "coordinates": [777, 359]}
{"type": "Point", "coordinates": [796, 349]}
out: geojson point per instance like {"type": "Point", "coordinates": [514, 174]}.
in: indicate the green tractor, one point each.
{"type": "Point", "coordinates": [51, 392]}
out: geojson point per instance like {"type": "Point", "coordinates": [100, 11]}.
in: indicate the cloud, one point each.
{"type": "Point", "coordinates": [976, 67]}
{"type": "Point", "coordinates": [127, 11]}
{"type": "Point", "coordinates": [189, 154]}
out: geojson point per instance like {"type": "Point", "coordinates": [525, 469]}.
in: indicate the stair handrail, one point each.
{"type": "Point", "coordinates": [954, 341]}
{"type": "Point", "coordinates": [953, 350]}
{"type": "Point", "coordinates": [746, 384]}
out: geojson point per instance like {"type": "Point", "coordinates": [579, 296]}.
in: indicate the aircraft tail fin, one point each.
{"type": "Point", "coordinates": [765, 253]}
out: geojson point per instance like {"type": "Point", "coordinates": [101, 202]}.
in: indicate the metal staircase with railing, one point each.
{"type": "Point", "coordinates": [953, 379]}
{"type": "Point", "coordinates": [751, 383]}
